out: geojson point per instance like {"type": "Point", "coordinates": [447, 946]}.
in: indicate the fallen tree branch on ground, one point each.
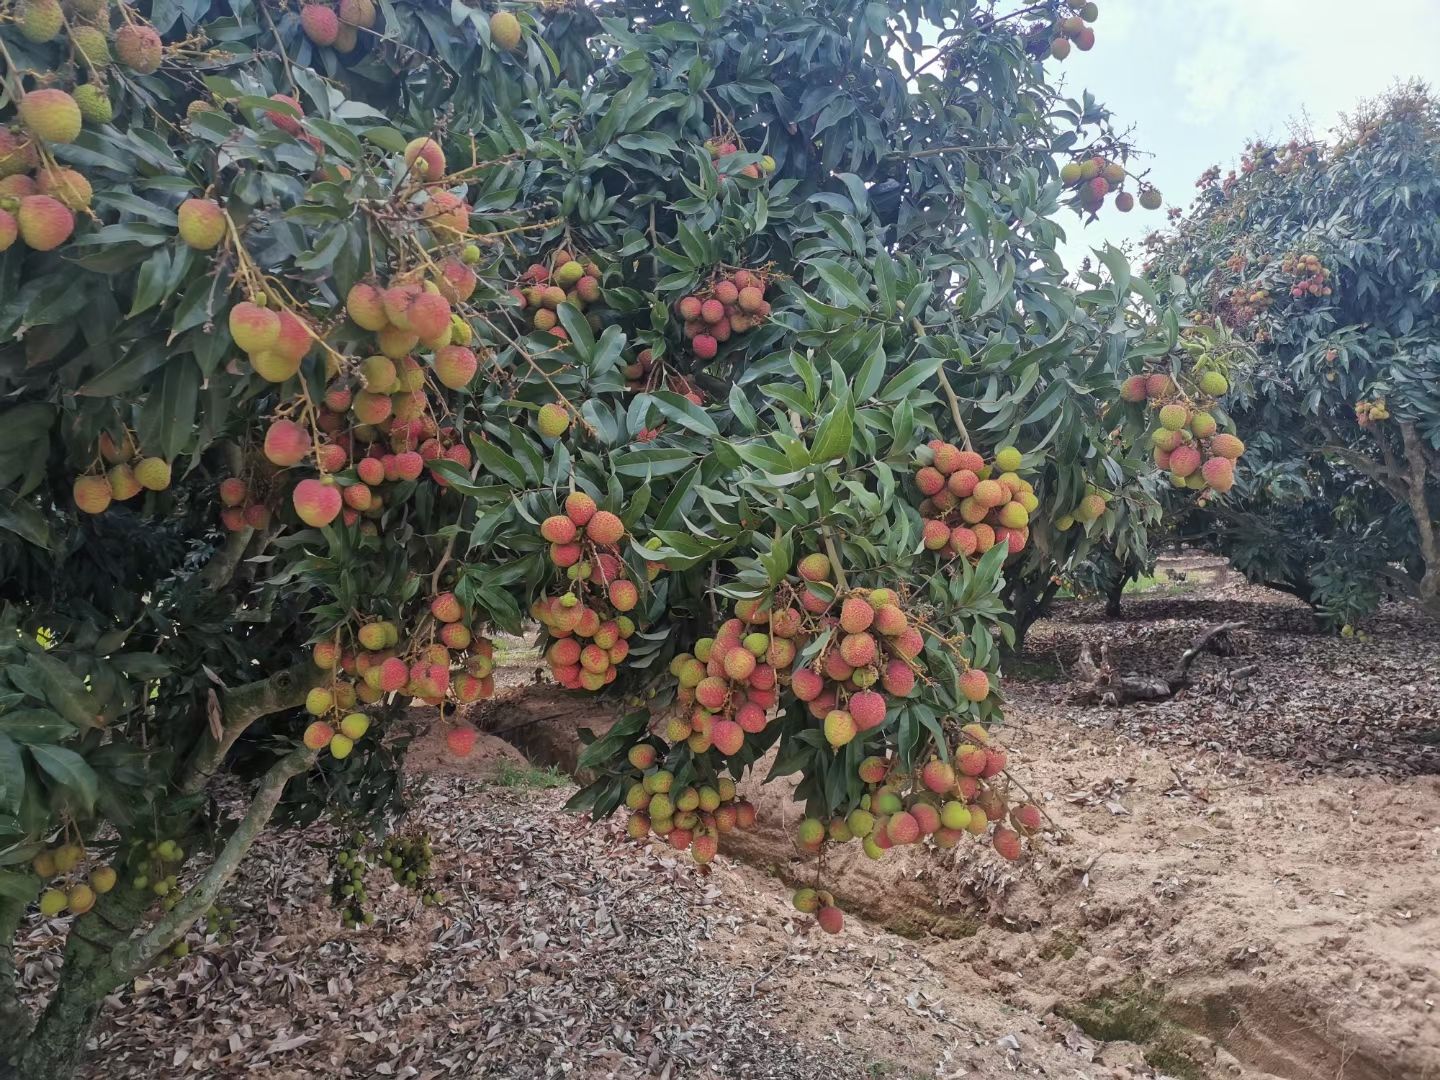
{"type": "Point", "coordinates": [1100, 684]}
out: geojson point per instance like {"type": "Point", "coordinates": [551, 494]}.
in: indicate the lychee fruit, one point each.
{"type": "Point", "coordinates": [202, 223]}
{"type": "Point", "coordinates": [605, 528]}
{"type": "Point", "coordinates": [153, 473]}
{"type": "Point", "coordinates": [317, 502]}
{"type": "Point", "coordinates": [67, 186]}
{"type": "Point", "coordinates": [553, 420]}
{"type": "Point", "coordinates": [44, 222]}
{"type": "Point", "coordinates": [286, 443]}
{"type": "Point", "coordinates": [505, 30]}
{"type": "Point", "coordinates": [138, 47]}
{"type": "Point", "coordinates": [51, 115]}
{"type": "Point", "coordinates": [287, 121]}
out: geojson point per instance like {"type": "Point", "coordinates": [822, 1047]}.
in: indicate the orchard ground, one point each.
{"type": "Point", "coordinates": [1246, 889]}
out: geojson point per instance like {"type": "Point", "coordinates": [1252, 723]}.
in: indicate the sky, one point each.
{"type": "Point", "coordinates": [1198, 81]}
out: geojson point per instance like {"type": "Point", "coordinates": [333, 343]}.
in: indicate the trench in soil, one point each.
{"type": "Point", "coordinates": [1279, 1031]}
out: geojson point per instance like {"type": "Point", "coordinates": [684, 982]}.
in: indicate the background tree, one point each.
{"type": "Point", "coordinates": [1321, 255]}
{"type": "Point", "coordinates": [379, 330]}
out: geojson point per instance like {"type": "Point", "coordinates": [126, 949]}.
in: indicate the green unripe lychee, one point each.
{"type": "Point", "coordinates": [91, 44]}
{"type": "Point", "coordinates": [1213, 383]}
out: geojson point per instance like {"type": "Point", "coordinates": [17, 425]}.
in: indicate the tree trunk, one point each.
{"type": "Point", "coordinates": [52, 1050]}
{"type": "Point", "coordinates": [1113, 595]}
{"type": "Point", "coordinates": [1028, 605]}
{"type": "Point", "coordinates": [14, 1018]}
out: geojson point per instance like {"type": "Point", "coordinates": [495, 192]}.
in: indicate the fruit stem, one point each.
{"type": "Point", "coordinates": [949, 393]}
{"type": "Point", "coordinates": [289, 72]}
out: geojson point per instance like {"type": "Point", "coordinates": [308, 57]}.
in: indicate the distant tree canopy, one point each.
{"type": "Point", "coordinates": [1325, 259]}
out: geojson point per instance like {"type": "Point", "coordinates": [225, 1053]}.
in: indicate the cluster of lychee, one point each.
{"type": "Point", "coordinates": [563, 279]}
{"type": "Point", "coordinates": [1073, 29]}
{"type": "Point", "coordinates": [970, 505]}
{"type": "Point", "coordinates": [692, 818]}
{"type": "Point", "coordinates": [337, 27]}
{"type": "Point", "coordinates": [730, 685]}
{"type": "Point", "coordinates": [1091, 507]}
{"type": "Point", "coordinates": [129, 474]}
{"type": "Point", "coordinates": [39, 209]}
{"type": "Point", "coordinates": [723, 147]}
{"type": "Point", "coordinates": [1186, 439]}
{"type": "Point", "coordinates": [446, 659]}
{"type": "Point", "coordinates": [733, 303]}
{"type": "Point", "coordinates": [648, 373]}
{"type": "Point", "coordinates": [376, 413]}
{"type": "Point", "coordinates": [154, 865]}
{"type": "Point", "coordinates": [589, 621]}
{"type": "Point", "coordinates": [79, 893]}
{"type": "Point", "coordinates": [944, 801]}
{"type": "Point", "coordinates": [1096, 177]}
{"type": "Point", "coordinates": [1311, 273]}
{"type": "Point", "coordinates": [1368, 412]}
{"type": "Point", "coordinates": [242, 504]}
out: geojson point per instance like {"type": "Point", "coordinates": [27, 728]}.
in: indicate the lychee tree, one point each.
{"type": "Point", "coordinates": [1319, 257]}
{"type": "Point", "coordinates": [334, 339]}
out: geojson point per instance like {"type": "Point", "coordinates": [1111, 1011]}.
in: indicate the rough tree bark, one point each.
{"type": "Point", "coordinates": [1416, 475]}
{"type": "Point", "coordinates": [1099, 684]}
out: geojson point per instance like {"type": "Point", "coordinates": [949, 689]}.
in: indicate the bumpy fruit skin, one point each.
{"type": "Point", "coordinates": [40, 20]}
{"type": "Point", "coordinates": [1174, 417]}
{"type": "Point", "coordinates": [605, 528]}
{"type": "Point", "coordinates": [102, 879]}
{"type": "Point", "coordinates": [975, 685]}
{"type": "Point", "coordinates": [1219, 473]}
{"type": "Point", "coordinates": [138, 48]}
{"type": "Point", "coordinates": [153, 473]}
{"type": "Point", "coordinates": [52, 903]}
{"type": "Point", "coordinates": [1007, 843]}
{"type": "Point", "coordinates": [44, 222]}
{"type": "Point", "coordinates": [67, 186]}
{"type": "Point", "coordinates": [553, 420]}
{"type": "Point", "coordinates": [341, 745]}
{"type": "Point", "coordinates": [316, 502]}
{"type": "Point", "coordinates": [1184, 460]}
{"type": "Point", "coordinates": [455, 366]}
{"type": "Point", "coordinates": [94, 103]}
{"type": "Point", "coordinates": [91, 45]}
{"type": "Point", "coordinates": [1150, 199]}
{"type": "Point", "coordinates": [286, 443]}
{"type": "Point", "coordinates": [1133, 389]}
{"type": "Point", "coordinates": [202, 223]}
{"type": "Point", "coordinates": [92, 494]}
{"type": "Point", "coordinates": [1227, 446]}
{"type": "Point", "coordinates": [505, 30]}
{"type": "Point", "coordinates": [446, 608]}
{"type": "Point", "coordinates": [321, 25]}
{"type": "Point", "coordinates": [831, 919]}
{"type": "Point", "coordinates": [355, 725]}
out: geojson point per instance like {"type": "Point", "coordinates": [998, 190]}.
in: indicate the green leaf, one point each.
{"type": "Point", "coordinates": [842, 283]}
{"type": "Point", "coordinates": [65, 692]}
{"type": "Point", "coordinates": [615, 740]}
{"type": "Point", "coordinates": [69, 770]}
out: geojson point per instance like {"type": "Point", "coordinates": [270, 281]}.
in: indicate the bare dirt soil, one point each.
{"type": "Point", "coordinates": [1245, 887]}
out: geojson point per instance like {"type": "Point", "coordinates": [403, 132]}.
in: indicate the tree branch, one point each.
{"type": "Point", "coordinates": [240, 708]}
{"type": "Point", "coordinates": [133, 957]}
